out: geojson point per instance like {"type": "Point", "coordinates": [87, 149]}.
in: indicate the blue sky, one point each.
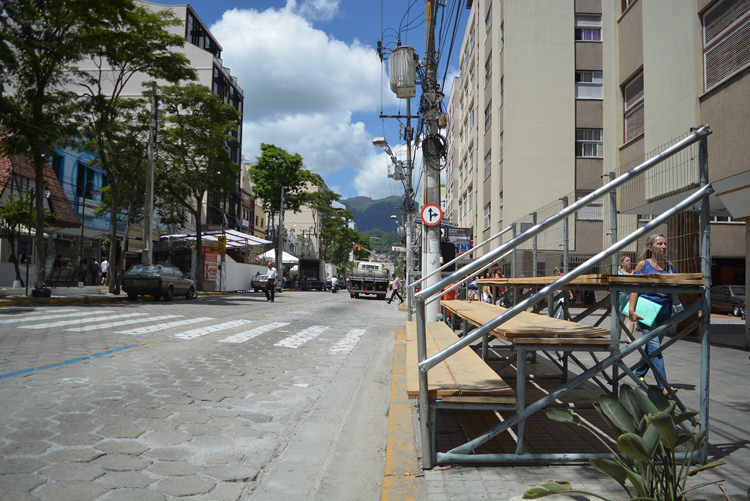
{"type": "Point", "coordinates": [313, 82]}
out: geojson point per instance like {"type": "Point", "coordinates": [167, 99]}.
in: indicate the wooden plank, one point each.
{"type": "Point", "coordinates": [471, 375]}
{"type": "Point", "coordinates": [480, 400]}
{"type": "Point", "coordinates": [563, 341]}
{"type": "Point", "coordinates": [591, 279]}
{"type": "Point", "coordinates": [440, 380]}
{"type": "Point", "coordinates": [659, 279]}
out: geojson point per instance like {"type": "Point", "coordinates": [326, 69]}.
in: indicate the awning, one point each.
{"type": "Point", "coordinates": [235, 239]}
{"type": "Point", "coordinates": [286, 258]}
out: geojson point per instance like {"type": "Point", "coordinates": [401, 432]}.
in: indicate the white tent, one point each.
{"type": "Point", "coordinates": [286, 258]}
{"type": "Point", "coordinates": [235, 239]}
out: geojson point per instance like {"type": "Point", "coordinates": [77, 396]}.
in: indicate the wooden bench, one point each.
{"type": "Point", "coordinates": [463, 376]}
{"type": "Point", "coordinates": [529, 328]}
{"type": "Point", "coordinates": [61, 276]}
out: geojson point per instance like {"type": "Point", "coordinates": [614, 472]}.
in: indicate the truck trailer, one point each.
{"type": "Point", "coordinates": [368, 277]}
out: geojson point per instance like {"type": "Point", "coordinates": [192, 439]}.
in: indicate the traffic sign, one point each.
{"type": "Point", "coordinates": [431, 214]}
{"type": "Point", "coordinates": [222, 243]}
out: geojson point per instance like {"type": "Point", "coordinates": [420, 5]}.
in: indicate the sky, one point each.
{"type": "Point", "coordinates": [313, 82]}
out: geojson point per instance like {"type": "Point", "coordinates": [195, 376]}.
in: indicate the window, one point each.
{"type": "Point", "coordinates": [626, 4]}
{"type": "Point", "coordinates": [487, 214]}
{"type": "Point", "coordinates": [634, 112]}
{"type": "Point", "coordinates": [502, 36]}
{"type": "Point", "coordinates": [726, 40]}
{"type": "Point", "coordinates": [470, 198]}
{"type": "Point", "coordinates": [501, 146]}
{"type": "Point", "coordinates": [588, 28]}
{"type": "Point", "coordinates": [57, 165]}
{"type": "Point", "coordinates": [488, 69]}
{"type": "Point", "coordinates": [592, 212]}
{"type": "Point", "coordinates": [487, 164]}
{"type": "Point", "coordinates": [589, 143]}
{"type": "Point", "coordinates": [488, 116]}
{"type": "Point", "coordinates": [502, 91]}
{"type": "Point", "coordinates": [460, 207]}
{"type": "Point", "coordinates": [589, 85]}
{"type": "Point", "coordinates": [501, 208]}
{"type": "Point", "coordinates": [471, 118]}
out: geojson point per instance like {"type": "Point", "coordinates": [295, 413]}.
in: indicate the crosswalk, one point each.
{"type": "Point", "coordinates": [179, 327]}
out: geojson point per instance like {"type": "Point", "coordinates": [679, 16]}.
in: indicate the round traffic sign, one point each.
{"type": "Point", "coordinates": [431, 214]}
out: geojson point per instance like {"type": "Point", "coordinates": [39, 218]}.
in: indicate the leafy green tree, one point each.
{"type": "Point", "coordinates": [16, 211]}
{"type": "Point", "coordinates": [276, 170]}
{"type": "Point", "coordinates": [136, 43]}
{"type": "Point", "coordinates": [41, 40]}
{"type": "Point", "coordinates": [194, 156]}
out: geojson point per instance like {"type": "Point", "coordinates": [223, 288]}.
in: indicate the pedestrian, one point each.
{"type": "Point", "coordinates": [94, 268]}
{"type": "Point", "coordinates": [83, 268]}
{"type": "Point", "coordinates": [270, 281]}
{"type": "Point", "coordinates": [104, 269]}
{"type": "Point", "coordinates": [57, 263]}
{"type": "Point", "coordinates": [626, 268]}
{"type": "Point", "coordinates": [395, 286]}
{"type": "Point", "coordinates": [654, 262]}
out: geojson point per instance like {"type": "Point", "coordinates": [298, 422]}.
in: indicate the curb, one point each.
{"type": "Point", "coordinates": [79, 299]}
{"type": "Point", "coordinates": [402, 470]}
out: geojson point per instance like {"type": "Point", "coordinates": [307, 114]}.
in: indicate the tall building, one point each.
{"type": "Point", "coordinates": [526, 117]}
{"type": "Point", "coordinates": [552, 96]}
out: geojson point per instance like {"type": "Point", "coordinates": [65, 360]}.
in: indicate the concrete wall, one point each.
{"type": "Point", "coordinates": [239, 275]}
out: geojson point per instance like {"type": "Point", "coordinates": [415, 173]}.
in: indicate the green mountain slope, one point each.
{"type": "Point", "coordinates": [373, 214]}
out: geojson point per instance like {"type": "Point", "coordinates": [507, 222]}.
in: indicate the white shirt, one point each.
{"type": "Point", "coordinates": [105, 266]}
{"type": "Point", "coordinates": [271, 274]}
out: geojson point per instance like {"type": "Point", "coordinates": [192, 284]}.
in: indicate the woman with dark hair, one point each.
{"type": "Point", "coordinates": [626, 268]}
{"type": "Point", "coordinates": [654, 262]}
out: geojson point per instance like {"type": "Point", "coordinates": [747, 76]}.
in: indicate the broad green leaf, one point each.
{"type": "Point", "coordinates": [638, 483]}
{"type": "Point", "coordinates": [564, 416]}
{"type": "Point", "coordinates": [617, 414]}
{"type": "Point", "coordinates": [707, 466]}
{"type": "Point", "coordinates": [683, 438]}
{"type": "Point", "coordinates": [664, 423]}
{"type": "Point", "coordinates": [536, 493]}
{"type": "Point", "coordinates": [557, 486]}
{"type": "Point", "coordinates": [615, 431]}
{"type": "Point", "coordinates": [611, 468]}
{"type": "Point", "coordinates": [634, 447]}
{"type": "Point", "coordinates": [651, 437]}
{"type": "Point", "coordinates": [629, 400]}
{"type": "Point", "coordinates": [648, 406]}
{"type": "Point", "coordinates": [658, 398]}
{"type": "Point", "coordinates": [685, 416]}
{"type": "Point", "coordinates": [698, 437]}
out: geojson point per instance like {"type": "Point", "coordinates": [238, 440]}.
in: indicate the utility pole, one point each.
{"type": "Point", "coordinates": [431, 155]}
{"type": "Point", "coordinates": [280, 236]}
{"type": "Point", "coordinates": [148, 216]}
{"type": "Point", "coordinates": [409, 215]}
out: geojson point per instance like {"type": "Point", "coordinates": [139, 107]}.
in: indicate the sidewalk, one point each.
{"type": "Point", "coordinates": [729, 435]}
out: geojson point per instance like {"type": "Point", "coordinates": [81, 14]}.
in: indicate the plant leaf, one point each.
{"type": "Point", "coordinates": [634, 447]}
{"type": "Point", "coordinates": [564, 416]}
{"type": "Point", "coordinates": [651, 436]}
{"type": "Point", "coordinates": [698, 437]}
{"type": "Point", "coordinates": [658, 398]}
{"type": "Point", "coordinates": [638, 483]}
{"type": "Point", "coordinates": [536, 493]}
{"type": "Point", "coordinates": [557, 486]}
{"type": "Point", "coordinates": [611, 468]}
{"type": "Point", "coordinates": [615, 431]}
{"type": "Point", "coordinates": [618, 414]}
{"type": "Point", "coordinates": [647, 405]}
{"type": "Point", "coordinates": [685, 416]}
{"type": "Point", "coordinates": [664, 423]}
{"type": "Point", "coordinates": [707, 466]}
{"type": "Point", "coordinates": [629, 400]}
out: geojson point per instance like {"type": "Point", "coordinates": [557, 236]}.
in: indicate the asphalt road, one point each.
{"type": "Point", "coordinates": [224, 397]}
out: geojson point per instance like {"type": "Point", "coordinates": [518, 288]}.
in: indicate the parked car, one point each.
{"type": "Point", "coordinates": [258, 283]}
{"type": "Point", "coordinates": [729, 298]}
{"type": "Point", "coordinates": [157, 281]}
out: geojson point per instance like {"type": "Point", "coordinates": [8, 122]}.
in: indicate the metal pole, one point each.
{"type": "Point", "coordinates": [432, 98]}
{"type": "Point", "coordinates": [280, 239]}
{"type": "Point", "coordinates": [28, 243]}
{"type": "Point", "coordinates": [424, 397]}
{"type": "Point", "coordinates": [148, 210]}
{"type": "Point", "coordinates": [614, 324]}
{"type": "Point", "coordinates": [409, 223]}
{"type": "Point", "coordinates": [705, 327]}
{"type": "Point", "coordinates": [534, 248]}
{"type": "Point", "coordinates": [566, 239]}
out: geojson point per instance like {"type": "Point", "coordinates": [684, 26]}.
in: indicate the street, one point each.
{"type": "Point", "coordinates": [224, 397]}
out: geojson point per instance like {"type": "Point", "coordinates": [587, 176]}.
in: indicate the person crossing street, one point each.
{"type": "Point", "coordinates": [396, 285]}
{"type": "Point", "coordinates": [271, 282]}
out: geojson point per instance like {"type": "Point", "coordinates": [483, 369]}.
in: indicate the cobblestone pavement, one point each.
{"type": "Point", "coordinates": [208, 399]}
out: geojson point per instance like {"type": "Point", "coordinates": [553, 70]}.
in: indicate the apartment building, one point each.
{"type": "Point", "coordinates": [526, 120]}
{"type": "Point", "coordinates": [554, 95]}
{"type": "Point", "coordinates": [680, 64]}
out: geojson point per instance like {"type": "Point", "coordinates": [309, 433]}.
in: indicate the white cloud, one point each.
{"type": "Point", "coordinates": [302, 88]}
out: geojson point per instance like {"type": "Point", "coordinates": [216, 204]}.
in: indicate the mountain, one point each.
{"type": "Point", "coordinates": [369, 213]}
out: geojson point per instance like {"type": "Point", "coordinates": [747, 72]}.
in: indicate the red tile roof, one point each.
{"type": "Point", "coordinates": [63, 214]}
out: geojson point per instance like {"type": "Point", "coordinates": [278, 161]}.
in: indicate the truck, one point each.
{"type": "Point", "coordinates": [368, 277]}
{"type": "Point", "coordinates": [311, 275]}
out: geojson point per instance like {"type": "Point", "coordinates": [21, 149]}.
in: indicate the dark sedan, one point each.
{"type": "Point", "coordinates": [728, 298]}
{"type": "Point", "coordinates": [259, 283]}
{"type": "Point", "coordinates": [157, 281]}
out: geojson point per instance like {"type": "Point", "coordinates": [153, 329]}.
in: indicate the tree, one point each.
{"type": "Point", "coordinates": [194, 161]}
{"type": "Point", "coordinates": [336, 238]}
{"type": "Point", "coordinates": [136, 43]}
{"type": "Point", "coordinates": [41, 40]}
{"type": "Point", "coordinates": [277, 171]}
{"type": "Point", "coordinates": [15, 212]}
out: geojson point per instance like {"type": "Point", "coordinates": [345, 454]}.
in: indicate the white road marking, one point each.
{"type": "Point", "coordinates": [245, 336]}
{"type": "Point", "coordinates": [211, 328]}
{"type": "Point", "coordinates": [306, 335]}
{"type": "Point", "coordinates": [79, 320]}
{"type": "Point", "coordinates": [156, 328]}
{"type": "Point", "coordinates": [349, 341]}
{"type": "Point", "coordinates": [124, 322]}
{"type": "Point", "coordinates": [35, 318]}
